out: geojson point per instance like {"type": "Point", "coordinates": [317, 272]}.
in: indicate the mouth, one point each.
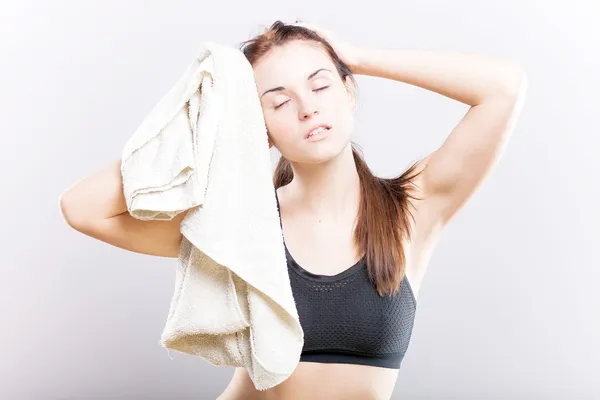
{"type": "Point", "coordinates": [318, 133]}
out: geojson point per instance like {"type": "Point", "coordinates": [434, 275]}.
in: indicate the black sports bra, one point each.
{"type": "Point", "coordinates": [346, 321]}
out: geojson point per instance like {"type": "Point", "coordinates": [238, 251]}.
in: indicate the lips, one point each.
{"type": "Point", "coordinates": [316, 127]}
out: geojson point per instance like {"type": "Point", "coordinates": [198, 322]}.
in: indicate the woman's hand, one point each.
{"type": "Point", "coordinates": [350, 54]}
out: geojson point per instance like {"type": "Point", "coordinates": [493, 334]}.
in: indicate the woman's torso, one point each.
{"type": "Point", "coordinates": [329, 251]}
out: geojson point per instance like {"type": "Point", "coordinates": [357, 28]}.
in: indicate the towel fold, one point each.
{"type": "Point", "coordinates": [203, 148]}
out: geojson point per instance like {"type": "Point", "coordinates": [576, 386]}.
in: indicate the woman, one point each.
{"type": "Point", "coordinates": [357, 245]}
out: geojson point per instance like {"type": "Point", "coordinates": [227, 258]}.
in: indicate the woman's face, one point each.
{"type": "Point", "coordinates": [303, 98]}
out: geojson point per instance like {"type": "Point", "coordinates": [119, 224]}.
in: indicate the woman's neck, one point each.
{"type": "Point", "coordinates": [330, 188]}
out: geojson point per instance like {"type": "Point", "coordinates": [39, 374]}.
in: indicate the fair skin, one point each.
{"type": "Point", "coordinates": [322, 200]}
{"type": "Point", "coordinates": [319, 206]}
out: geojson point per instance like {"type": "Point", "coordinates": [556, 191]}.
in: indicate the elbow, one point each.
{"type": "Point", "coordinates": [68, 210]}
{"type": "Point", "coordinates": [511, 88]}
{"type": "Point", "coordinates": [516, 82]}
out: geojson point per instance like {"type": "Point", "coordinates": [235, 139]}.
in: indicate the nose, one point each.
{"type": "Point", "coordinates": [307, 110]}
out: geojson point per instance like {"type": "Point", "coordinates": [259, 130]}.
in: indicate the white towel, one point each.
{"type": "Point", "coordinates": [204, 147]}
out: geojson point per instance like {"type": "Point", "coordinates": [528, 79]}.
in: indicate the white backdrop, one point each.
{"type": "Point", "coordinates": [510, 307]}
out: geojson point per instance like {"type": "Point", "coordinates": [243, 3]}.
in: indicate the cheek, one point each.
{"type": "Point", "coordinates": [278, 130]}
{"type": "Point", "coordinates": [343, 114]}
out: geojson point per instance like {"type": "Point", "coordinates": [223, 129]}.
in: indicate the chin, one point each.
{"type": "Point", "coordinates": [324, 152]}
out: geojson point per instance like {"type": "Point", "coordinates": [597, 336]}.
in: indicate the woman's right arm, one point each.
{"type": "Point", "coordinates": [95, 206]}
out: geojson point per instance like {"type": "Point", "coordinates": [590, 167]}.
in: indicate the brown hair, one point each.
{"type": "Point", "coordinates": [384, 209]}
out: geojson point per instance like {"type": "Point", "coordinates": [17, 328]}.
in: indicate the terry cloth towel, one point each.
{"type": "Point", "coordinates": [204, 148]}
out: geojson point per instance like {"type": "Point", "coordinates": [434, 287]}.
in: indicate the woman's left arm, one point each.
{"type": "Point", "coordinates": [494, 88]}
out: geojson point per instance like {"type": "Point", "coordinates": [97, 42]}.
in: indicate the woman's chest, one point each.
{"type": "Point", "coordinates": [321, 248]}
{"type": "Point", "coordinates": [345, 315]}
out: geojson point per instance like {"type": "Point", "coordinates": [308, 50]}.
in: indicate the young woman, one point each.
{"type": "Point", "coordinates": [357, 245]}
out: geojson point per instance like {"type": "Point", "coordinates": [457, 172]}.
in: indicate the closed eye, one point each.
{"type": "Point", "coordinates": [315, 90]}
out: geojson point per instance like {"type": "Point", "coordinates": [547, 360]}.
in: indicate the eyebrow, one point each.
{"type": "Point", "coordinates": [278, 88]}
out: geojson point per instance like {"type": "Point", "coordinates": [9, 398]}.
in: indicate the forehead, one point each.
{"type": "Point", "coordinates": [289, 64]}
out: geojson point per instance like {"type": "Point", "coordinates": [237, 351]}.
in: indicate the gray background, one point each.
{"type": "Point", "coordinates": [510, 306]}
